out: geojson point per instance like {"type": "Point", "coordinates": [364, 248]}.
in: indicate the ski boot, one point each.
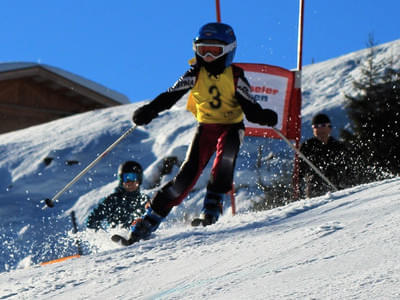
{"type": "Point", "coordinates": [141, 228]}
{"type": "Point", "coordinates": [212, 208]}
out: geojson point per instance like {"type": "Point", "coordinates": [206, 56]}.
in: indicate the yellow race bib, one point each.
{"type": "Point", "coordinates": [212, 99]}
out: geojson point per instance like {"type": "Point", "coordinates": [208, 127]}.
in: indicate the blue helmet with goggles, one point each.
{"type": "Point", "coordinates": [216, 32]}
{"type": "Point", "coordinates": [130, 171]}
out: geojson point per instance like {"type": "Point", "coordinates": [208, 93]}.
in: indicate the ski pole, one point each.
{"type": "Point", "coordinates": [50, 202]}
{"type": "Point", "coordinates": [305, 159]}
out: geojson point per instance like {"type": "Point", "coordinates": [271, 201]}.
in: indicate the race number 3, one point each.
{"type": "Point", "coordinates": [216, 97]}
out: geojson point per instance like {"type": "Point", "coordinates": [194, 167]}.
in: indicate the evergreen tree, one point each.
{"type": "Point", "coordinates": [375, 120]}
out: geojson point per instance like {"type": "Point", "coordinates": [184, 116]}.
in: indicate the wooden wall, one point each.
{"type": "Point", "coordinates": [24, 102]}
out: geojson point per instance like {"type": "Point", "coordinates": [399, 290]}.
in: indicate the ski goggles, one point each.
{"type": "Point", "coordinates": [214, 50]}
{"type": "Point", "coordinates": [321, 125]}
{"type": "Point", "coordinates": [130, 177]}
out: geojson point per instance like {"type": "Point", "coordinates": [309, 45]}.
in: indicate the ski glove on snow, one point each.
{"type": "Point", "coordinates": [143, 115]}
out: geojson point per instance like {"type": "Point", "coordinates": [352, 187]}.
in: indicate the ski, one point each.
{"type": "Point", "coordinates": [204, 220]}
{"type": "Point", "coordinates": [199, 221]}
{"type": "Point", "coordinates": [122, 240]}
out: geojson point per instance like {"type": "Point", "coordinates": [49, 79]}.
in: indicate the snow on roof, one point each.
{"type": "Point", "coordinates": [6, 67]}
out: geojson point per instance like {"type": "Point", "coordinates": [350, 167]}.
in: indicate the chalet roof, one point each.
{"type": "Point", "coordinates": [57, 79]}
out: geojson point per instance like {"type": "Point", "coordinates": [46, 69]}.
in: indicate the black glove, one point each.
{"type": "Point", "coordinates": [268, 117]}
{"type": "Point", "coordinates": [143, 115]}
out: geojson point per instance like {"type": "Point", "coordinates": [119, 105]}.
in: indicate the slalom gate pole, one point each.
{"type": "Point", "coordinates": [233, 202]}
{"type": "Point", "coordinates": [50, 202]}
{"type": "Point", "coordinates": [306, 159]}
{"type": "Point", "coordinates": [298, 97]}
{"type": "Point", "coordinates": [218, 11]}
{"type": "Point", "coordinates": [232, 191]}
{"type": "Point", "coordinates": [74, 231]}
{"type": "Point", "coordinates": [300, 36]}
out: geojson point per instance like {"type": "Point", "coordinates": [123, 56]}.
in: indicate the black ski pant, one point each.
{"type": "Point", "coordinates": [222, 139]}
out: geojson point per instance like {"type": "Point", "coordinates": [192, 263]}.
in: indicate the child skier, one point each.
{"type": "Point", "coordinates": [127, 202]}
{"type": "Point", "coordinates": [220, 94]}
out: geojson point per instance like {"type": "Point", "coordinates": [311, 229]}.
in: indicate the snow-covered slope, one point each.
{"type": "Point", "coordinates": [317, 248]}
{"type": "Point", "coordinates": [339, 246]}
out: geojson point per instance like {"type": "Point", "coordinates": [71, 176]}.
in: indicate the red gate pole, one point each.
{"type": "Point", "coordinates": [218, 11]}
{"type": "Point", "coordinates": [296, 187]}
{"type": "Point", "coordinates": [232, 191]}
{"type": "Point", "coordinates": [233, 203]}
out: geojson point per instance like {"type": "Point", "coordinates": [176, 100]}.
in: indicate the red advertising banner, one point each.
{"type": "Point", "coordinates": [274, 88]}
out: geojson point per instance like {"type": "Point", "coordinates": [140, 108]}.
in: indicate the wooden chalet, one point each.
{"type": "Point", "coordinates": [32, 94]}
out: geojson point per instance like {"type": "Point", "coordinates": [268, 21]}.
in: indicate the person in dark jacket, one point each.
{"type": "Point", "coordinates": [329, 155]}
{"type": "Point", "coordinates": [125, 204]}
{"type": "Point", "coordinates": [219, 97]}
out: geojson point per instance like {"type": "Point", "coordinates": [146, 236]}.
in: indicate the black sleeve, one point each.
{"type": "Point", "coordinates": [302, 163]}
{"type": "Point", "coordinates": [252, 110]}
{"type": "Point", "coordinates": [307, 149]}
{"type": "Point", "coordinates": [167, 99]}
{"type": "Point", "coordinates": [249, 105]}
{"type": "Point", "coordinates": [97, 215]}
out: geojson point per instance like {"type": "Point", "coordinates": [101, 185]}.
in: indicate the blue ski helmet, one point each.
{"type": "Point", "coordinates": [220, 32]}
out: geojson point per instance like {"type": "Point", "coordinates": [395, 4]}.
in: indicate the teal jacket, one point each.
{"type": "Point", "coordinates": [119, 208]}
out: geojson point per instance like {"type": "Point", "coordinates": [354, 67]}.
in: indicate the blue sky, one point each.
{"type": "Point", "coordinates": [140, 48]}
